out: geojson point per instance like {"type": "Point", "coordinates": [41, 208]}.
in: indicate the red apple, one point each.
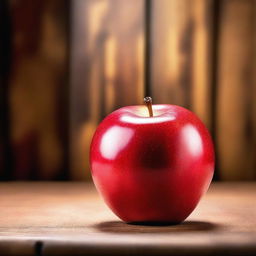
{"type": "Point", "coordinates": [152, 168]}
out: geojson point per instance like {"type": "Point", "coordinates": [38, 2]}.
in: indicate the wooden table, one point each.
{"type": "Point", "coordinates": [71, 219]}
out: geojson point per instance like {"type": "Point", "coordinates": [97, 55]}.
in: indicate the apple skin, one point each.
{"type": "Point", "coordinates": [152, 169]}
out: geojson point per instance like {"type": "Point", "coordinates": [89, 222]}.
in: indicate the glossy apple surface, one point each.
{"type": "Point", "coordinates": [152, 168]}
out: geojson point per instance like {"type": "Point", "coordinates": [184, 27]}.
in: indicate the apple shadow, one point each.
{"type": "Point", "coordinates": [155, 227]}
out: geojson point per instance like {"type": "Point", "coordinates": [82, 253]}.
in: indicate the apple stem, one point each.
{"type": "Point", "coordinates": [148, 102]}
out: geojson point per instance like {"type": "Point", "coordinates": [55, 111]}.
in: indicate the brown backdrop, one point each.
{"type": "Point", "coordinates": [64, 65]}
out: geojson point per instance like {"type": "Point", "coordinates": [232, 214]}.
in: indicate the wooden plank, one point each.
{"type": "Point", "coordinates": [253, 112]}
{"type": "Point", "coordinates": [106, 68]}
{"type": "Point", "coordinates": [71, 219]}
{"type": "Point", "coordinates": [5, 54]}
{"type": "Point", "coordinates": [181, 54]}
{"type": "Point", "coordinates": [37, 94]}
{"type": "Point", "coordinates": [235, 97]}
{"type": "Point", "coordinates": [201, 98]}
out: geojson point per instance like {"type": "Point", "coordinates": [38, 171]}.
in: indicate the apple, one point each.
{"type": "Point", "coordinates": [152, 163]}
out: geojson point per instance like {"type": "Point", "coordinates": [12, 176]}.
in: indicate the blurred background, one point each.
{"type": "Point", "coordinates": [65, 65]}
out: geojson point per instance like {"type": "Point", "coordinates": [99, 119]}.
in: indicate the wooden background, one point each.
{"type": "Point", "coordinates": [64, 65]}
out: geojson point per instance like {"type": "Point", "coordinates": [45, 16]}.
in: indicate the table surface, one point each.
{"type": "Point", "coordinates": [71, 219]}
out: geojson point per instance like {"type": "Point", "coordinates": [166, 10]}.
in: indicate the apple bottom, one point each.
{"type": "Point", "coordinates": [149, 197]}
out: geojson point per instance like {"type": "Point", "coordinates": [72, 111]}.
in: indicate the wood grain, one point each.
{"type": "Point", "coordinates": [253, 94]}
{"type": "Point", "coordinates": [201, 57]}
{"type": "Point", "coordinates": [37, 88]}
{"type": "Point", "coordinates": [71, 219]}
{"type": "Point", "coordinates": [106, 69]}
{"type": "Point", "coordinates": [181, 54]}
{"type": "Point", "coordinates": [235, 87]}
{"type": "Point", "coordinates": [5, 53]}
